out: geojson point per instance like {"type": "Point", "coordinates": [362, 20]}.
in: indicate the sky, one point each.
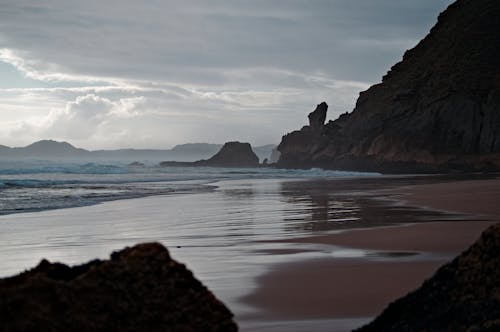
{"type": "Point", "coordinates": [105, 74]}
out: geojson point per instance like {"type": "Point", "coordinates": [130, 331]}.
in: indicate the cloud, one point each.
{"type": "Point", "coordinates": [163, 72]}
{"type": "Point", "coordinates": [82, 119]}
{"type": "Point", "coordinates": [155, 40]}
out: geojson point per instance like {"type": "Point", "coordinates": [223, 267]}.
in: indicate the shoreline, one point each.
{"type": "Point", "coordinates": [333, 288]}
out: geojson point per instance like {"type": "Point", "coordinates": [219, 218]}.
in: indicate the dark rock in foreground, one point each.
{"type": "Point", "coordinates": [232, 154]}
{"type": "Point", "coordinates": [436, 110]}
{"type": "Point", "coordinates": [138, 289]}
{"type": "Point", "coordinates": [463, 295]}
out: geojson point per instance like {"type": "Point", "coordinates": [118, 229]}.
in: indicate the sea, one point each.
{"type": "Point", "coordinates": [34, 185]}
{"type": "Point", "coordinates": [223, 223]}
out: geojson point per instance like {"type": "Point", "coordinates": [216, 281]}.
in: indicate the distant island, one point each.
{"type": "Point", "coordinates": [436, 110]}
{"type": "Point", "coordinates": [54, 150]}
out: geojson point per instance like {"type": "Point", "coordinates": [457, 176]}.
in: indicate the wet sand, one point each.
{"type": "Point", "coordinates": [479, 197]}
{"type": "Point", "coordinates": [363, 287]}
{"type": "Point", "coordinates": [322, 288]}
{"type": "Point", "coordinates": [443, 237]}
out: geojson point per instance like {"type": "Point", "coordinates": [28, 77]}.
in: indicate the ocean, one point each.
{"type": "Point", "coordinates": [27, 186]}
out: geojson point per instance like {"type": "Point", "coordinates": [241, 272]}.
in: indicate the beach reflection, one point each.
{"type": "Point", "coordinates": [317, 211]}
{"type": "Point", "coordinates": [322, 205]}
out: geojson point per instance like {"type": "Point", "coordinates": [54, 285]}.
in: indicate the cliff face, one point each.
{"type": "Point", "coordinates": [138, 289]}
{"type": "Point", "coordinates": [463, 295]}
{"type": "Point", "coordinates": [437, 109]}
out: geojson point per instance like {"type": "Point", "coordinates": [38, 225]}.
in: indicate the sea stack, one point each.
{"type": "Point", "coordinates": [138, 289]}
{"type": "Point", "coordinates": [436, 110]}
{"type": "Point", "coordinates": [233, 154]}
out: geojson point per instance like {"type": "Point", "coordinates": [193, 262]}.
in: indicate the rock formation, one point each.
{"type": "Point", "coordinates": [138, 289]}
{"type": "Point", "coordinates": [299, 147]}
{"type": "Point", "coordinates": [436, 110]}
{"type": "Point", "coordinates": [463, 295]}
{"type": "Point", "coordinates": [232, 154]}
{"type": "Point", "coordinates": [317, 118]}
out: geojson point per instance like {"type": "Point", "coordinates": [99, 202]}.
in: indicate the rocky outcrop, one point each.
{"type": "Point", "coordinates": [317, 118]}
{"type": "Point", "coordinates": [436, 110]}
{"type": "Point", "coordinates": [232, 154]}
{"type": "Point", "coordinates": [138, 289]}
{"type": "Point", "coordinates": [463, 295]}
{"type": "Point", "coordinates": [297, 149]}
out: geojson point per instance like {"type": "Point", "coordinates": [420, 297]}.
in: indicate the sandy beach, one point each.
{"type": "Point", "coordinates": [402, 256]}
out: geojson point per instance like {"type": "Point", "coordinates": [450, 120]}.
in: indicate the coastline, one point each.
{"type": "Point", "coordinates": [398, 258]}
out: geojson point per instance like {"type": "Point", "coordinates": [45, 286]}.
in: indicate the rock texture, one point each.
{"type": "Point", "coordinates": [463, 295]}
{"type": "Point", "coordinates": [438, 109]}
{"type": "Point", "coordinates": [138, 289]}
{"type": "Point", "coordinates": [232, 154]}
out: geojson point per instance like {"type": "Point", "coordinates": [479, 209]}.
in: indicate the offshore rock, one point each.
{"type": "Point", "coordinates": [232, 154]}
{"type": "Point", "coordinates": [436, 110]}
{"type": "Point", "coordinates": [463, 295]}
{"type": "Point", "coordinates": [138, 289]}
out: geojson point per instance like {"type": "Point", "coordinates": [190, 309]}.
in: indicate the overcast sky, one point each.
{"type": "Point", "coordinates": [155, 73]}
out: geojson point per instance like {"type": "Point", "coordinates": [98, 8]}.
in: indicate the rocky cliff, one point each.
{"type": "Point", "coordinates": [438, 109]}
{"type": "Point", "coordinates": [138, 289]}
{"type": "Point", "coordinates": [463, 295]}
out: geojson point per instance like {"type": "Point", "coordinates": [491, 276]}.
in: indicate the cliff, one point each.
{"type": "Point", "coordinates": [463, 295]}
{"type": "Point", "coordinates": [138, 289]}
{"type": "Point", "coordinates": [436, 110]}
